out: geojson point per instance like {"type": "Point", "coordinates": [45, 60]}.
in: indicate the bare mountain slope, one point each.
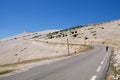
{"type": "Point", "coordinates": [27, 46]}
{"type": "Point", "coordinates": [107, 33]}
{"type": "Point", "coordinates": [17, 51]}
{"type": "Point", "coordinates": [107, 30]}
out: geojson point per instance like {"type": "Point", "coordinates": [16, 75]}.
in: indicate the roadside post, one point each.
{"type": "Point", "coordinates": [68, 46]}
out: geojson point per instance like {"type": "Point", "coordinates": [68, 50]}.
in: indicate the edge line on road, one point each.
{"type": "Point", "coordinates": [93, 77]}
{"type": "Point", "coordinates": [98, 69]}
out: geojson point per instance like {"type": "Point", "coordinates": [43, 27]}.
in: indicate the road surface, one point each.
{"type": "Point", "coordinates": [91, 65]}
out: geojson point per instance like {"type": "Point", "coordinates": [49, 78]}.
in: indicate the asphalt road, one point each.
{"type": "Point", "coordinates": [91, 65]}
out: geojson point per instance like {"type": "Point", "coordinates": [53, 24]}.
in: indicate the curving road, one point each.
{"type": "Point", "coordinates": [92, 65]}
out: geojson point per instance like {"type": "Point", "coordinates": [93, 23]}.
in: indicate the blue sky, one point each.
{"type": "Point", "coordinates": [38, 15]}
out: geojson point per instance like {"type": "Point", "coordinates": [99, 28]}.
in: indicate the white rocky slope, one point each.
{"type": "Point", "coordinates": [107, 33]}
{"type": "Point", "coordinates": [31, 45]}
{"type": "Point", "coordinates": [21, 47]}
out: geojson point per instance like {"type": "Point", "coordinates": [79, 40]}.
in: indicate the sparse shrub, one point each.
{"type": "Point", "coordinates": [90, 28]}
{"type": "Point", "coordinates": [75, 35]}
{"type": "Point", "coordinates": [50, 37]}
{"type": "Point", "coordinates": [66, 35]}
{"type": "Point", "coordinates": [36, 36]}
{"type": "Point", "coordinates": [16, 54]}
{"type": "Point", "coordinates": [24, 36]}
{"type": "Point", "coordinates": [56, 32]}
{"type": "Point", "coordinates": [86, 38]}
{"type": "Point", "coordinates": [93, 31]}
{"type": "Point", "coordinates": [61, 32]}
{"type": "Point", "coordinates": [15, 38]}
{"type": "Point", "coordinates": [72, 32]}
{"type": "Point", "coordinates": [103, 42]}
{"type": "Point", "coordinates": [28, 35]}
{"type": "Point", "coordinates": [102, 27]}
{"type": "Point", "coordinates": [94, 34]}
{"type": "Point", "coordinates": [75, 31]}
{"type": "Point", "coordinates": [58, 36]}
{"type": "Point", "coordinates": [73, 28]}
{"type": "Point", "coordinates": [63, 35]}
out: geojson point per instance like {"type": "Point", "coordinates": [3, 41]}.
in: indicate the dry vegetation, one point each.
{"type": "Point", "coordinates": [5, 72]}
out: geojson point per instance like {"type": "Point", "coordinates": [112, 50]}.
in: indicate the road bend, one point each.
{"type": "Point", "coordinates": [91, 65]}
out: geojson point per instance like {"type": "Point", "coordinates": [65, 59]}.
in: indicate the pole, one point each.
{"type": "Point", "coordinates": [68, 46]}
{"type": "Point", "coordinates": [84, 43]}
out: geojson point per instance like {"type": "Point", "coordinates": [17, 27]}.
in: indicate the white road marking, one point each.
{"type": "Point", "coordinates": [104, 59]}
{"type": "Point", "coordinates": [94, 77]}
{"type": "Point", "coordinates": [102, 62]}
{"type": "Point", "coordinates": [99, 68]}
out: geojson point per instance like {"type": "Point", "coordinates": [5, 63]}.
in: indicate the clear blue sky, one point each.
{"type": "Point", "coordinates": [38, 15]}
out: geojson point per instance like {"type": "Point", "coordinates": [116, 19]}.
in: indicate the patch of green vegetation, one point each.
{"type": "Point", "coordinates": [5, 72]}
